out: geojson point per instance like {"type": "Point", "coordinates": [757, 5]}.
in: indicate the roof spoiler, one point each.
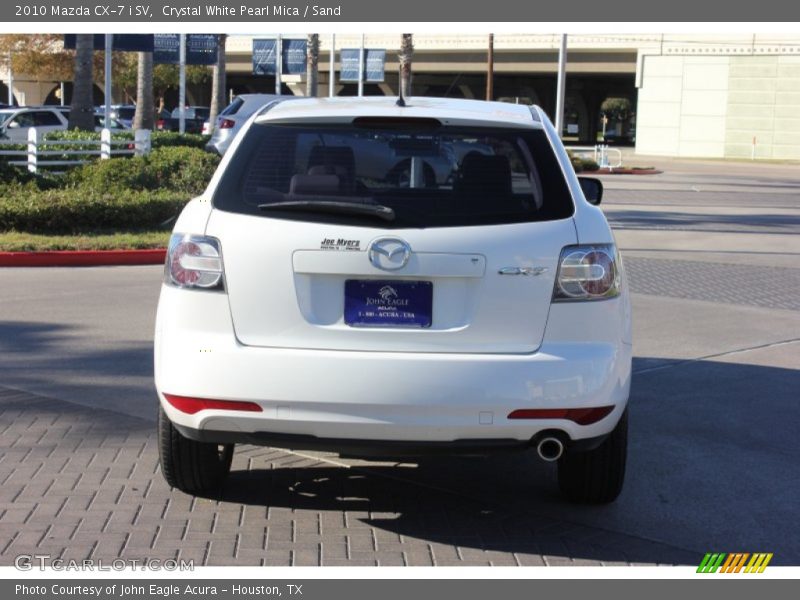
{"type": "Point", "coordinates": [269, 106]}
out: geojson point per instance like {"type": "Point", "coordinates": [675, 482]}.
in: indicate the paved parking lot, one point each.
{"type": "Point", "coordinates": [712, 252]}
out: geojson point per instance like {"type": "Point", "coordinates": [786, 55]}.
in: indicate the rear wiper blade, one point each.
{"type": "Point", "coordinates": [348, 208]}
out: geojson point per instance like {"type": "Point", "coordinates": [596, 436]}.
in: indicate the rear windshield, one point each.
{"type": "Point", "coordinates": [126, 113]}
{"type": "Point", "coordinates": [428, 175]}
{"type": "Point", "coordinates": [191, 113]}
{"type": "Point", "coordinates": [233, 107]}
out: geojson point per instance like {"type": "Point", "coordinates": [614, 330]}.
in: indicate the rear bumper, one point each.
{"type": "Point", "coordinates": [402, 401]}
{"type": "Point", "coordinates": [380, 448]}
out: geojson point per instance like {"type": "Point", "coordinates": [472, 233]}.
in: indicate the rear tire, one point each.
{"type": "Point", "coordinates": [190, 466]}
{"type": "Point", "coordinates": [596, 476]}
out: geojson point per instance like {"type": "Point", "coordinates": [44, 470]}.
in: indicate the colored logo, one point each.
{"type": "Point", "coordinates": [740, 562]}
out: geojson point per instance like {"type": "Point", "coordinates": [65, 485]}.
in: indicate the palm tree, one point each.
{"type": "Point", "coordinates": [312, 65]}
{"type": "Point", "coordinates": [143, 118]}
{"type": "Point", "coordinates": [406, 56]}
{"type": "Point", "coordinates": [218, 100]}
{"type": "Point", "coordinates": [81, 114]}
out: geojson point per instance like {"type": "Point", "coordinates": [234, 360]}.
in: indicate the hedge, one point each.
{"type": "Point", "coordinates": [132, 193]}
{"type": "Point", "coordinates": [582, 164]}
{"type": "Point", "coordinates": [72, 211]}
{"type": "Point", "coordinates": [158, 139]}
{"type": "Point", "coordinates": [178, 169]}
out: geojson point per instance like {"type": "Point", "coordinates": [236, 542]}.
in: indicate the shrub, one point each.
{"type": "Point", "coordinates": [582, 164]}
{"type": "Point", "coordinates": [176, 169]}
{"type": "Point", "coordinates": [181, 169]}
{"type": "Point", "coordinates": [76, 210]}
{"type": "Point", "coordinates": [10, 173]}
{"type": "Point", "coordinates": [164, 139]}
{"type": "Point", "coordinates": [158, 139]}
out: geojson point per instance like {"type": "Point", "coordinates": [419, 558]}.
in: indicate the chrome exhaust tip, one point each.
{"type": "Point", "coordinates": [550, 449]}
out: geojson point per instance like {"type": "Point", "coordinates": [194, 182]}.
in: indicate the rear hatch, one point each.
{"type": "Point", "coordinates": [387, 236]}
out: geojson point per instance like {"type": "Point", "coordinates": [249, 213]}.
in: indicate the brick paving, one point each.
{"type": "Point", "coordinates": [79, 483]}
{"type": "Point", "coordinates": [768, 287]}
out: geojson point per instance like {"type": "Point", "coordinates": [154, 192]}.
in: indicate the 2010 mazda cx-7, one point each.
{"type": "Point", "coordinates": [388, 277]}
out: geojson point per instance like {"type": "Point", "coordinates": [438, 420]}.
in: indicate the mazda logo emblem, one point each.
{"type": "Point", "coordinates": [389, 254]}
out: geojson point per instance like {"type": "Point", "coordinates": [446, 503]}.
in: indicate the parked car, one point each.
{"type": "Point", "coordinates": [313, 298]}
{"type": "Point", "coordinates": [162, 118]}
{"type": "Point", "coordinates": [124, 113]}
{"type": "Point", "coordinates": [235, 115]}
{"type": "Point", "coordinates": [113, 124]}
{"type": "Point", "coordinates": [15, 122]}
{"type": "Point", "coordinates": [194, 117]}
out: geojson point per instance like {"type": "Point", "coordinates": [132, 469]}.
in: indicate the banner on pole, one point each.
{"type": "Point", "coordinates": [264, 57]}
{"type": "Point", "coordinates": [122, 42]}
{"type": "Point", "coordinates": [293, 57]}
{"type": "Point", "coordinates": [374, 68]}
{"type": "Point", "coordinates": [201, 49]}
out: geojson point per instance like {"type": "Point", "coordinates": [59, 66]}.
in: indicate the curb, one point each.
{"type": "Point", "coordinates": [83, 258]}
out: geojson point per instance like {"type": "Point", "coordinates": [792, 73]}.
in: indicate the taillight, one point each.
{"type": "Point", "coordinates": [226, 124]}
{"type": "Point", "coordinates": [192, 406]}
{"type": "Point", "coordinates": [194, 261]}
{"type": "Point", "coordinates": [581, 416]}
{"type": "Point", "coordinates": [589, 272]}
{"type": "Point", "coordinates": [160, 124]}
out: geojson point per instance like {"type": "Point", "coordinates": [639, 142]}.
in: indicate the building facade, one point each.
{"type": "Point", "coordinates": [687, 95]}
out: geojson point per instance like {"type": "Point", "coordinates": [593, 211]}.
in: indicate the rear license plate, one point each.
{"type": "Point", "coordinates": [370, 303]}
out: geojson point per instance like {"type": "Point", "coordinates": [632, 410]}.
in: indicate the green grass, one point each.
{"type": "Point", "coordinates": [13, 241]}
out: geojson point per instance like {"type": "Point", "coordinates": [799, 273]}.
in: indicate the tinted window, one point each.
{"type": "Point", "coordinates": [124, 112]}
{"type": "Point", "coordinates": [430, 176]}
{"type": "Point", "coordinates": [45, 119]}
{"type": "Point", "coordinates": [233, 107]}
{"type": "Point", "coordinates": [23, 120]}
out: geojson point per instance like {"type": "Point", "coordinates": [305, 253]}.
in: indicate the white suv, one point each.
{"type": "Point", "coordinates": [388, 277]}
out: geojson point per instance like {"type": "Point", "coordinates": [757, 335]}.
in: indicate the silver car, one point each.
{"type": "Point", "coordinates": [230, 120]}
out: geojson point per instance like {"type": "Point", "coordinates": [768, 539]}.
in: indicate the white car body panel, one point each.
{"type": "Point", "coordinates": [390, 395]}
{"type": "Point", "coordinates": [474, 311]}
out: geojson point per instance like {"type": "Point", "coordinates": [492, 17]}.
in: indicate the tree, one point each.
{"type": "Point", "coordinates": [81, 114]}
{"type": "Point", "coordinates": [617, 108]}
{"type": "Point", "coordinates": [37, 55]}
{"type": "Point", "coordinates": [218, 100]}
{"type": "Point", "coordinates": [42, 57]}
{"type": "Point", "coordinates": [406, 56]}
{"type": "Point", "coordinates": [312, 65]}
{"type": "Point", "coordinates": [143, 117]}
{"type": "Point", "coordinates": [165, 78]}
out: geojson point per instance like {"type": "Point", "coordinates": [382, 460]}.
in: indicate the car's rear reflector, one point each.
{"type": "Point", "coordinates": [194, 405]}
{"type": "Point", "coordinates": [581, 416]}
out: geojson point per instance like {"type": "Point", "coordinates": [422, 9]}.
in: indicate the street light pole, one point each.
{"type": "Point", "coordinates": [361, 68]}
{"type": "Point", "coordinates": [490, 69]}
{"type": "Point", "coordinates": [332, 76]}
{"type": "Point", "coordinates": [107, 83]}
{"type": "Point", "coordinates": [561, 84]}
{"type": "Point", "coordinates": [278, 63]}
{"type": "Point", "coordinates": [182, 86]}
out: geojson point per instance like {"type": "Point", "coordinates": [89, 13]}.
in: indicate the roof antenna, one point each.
{"type": "Point", "coordinates": [400, 100]}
